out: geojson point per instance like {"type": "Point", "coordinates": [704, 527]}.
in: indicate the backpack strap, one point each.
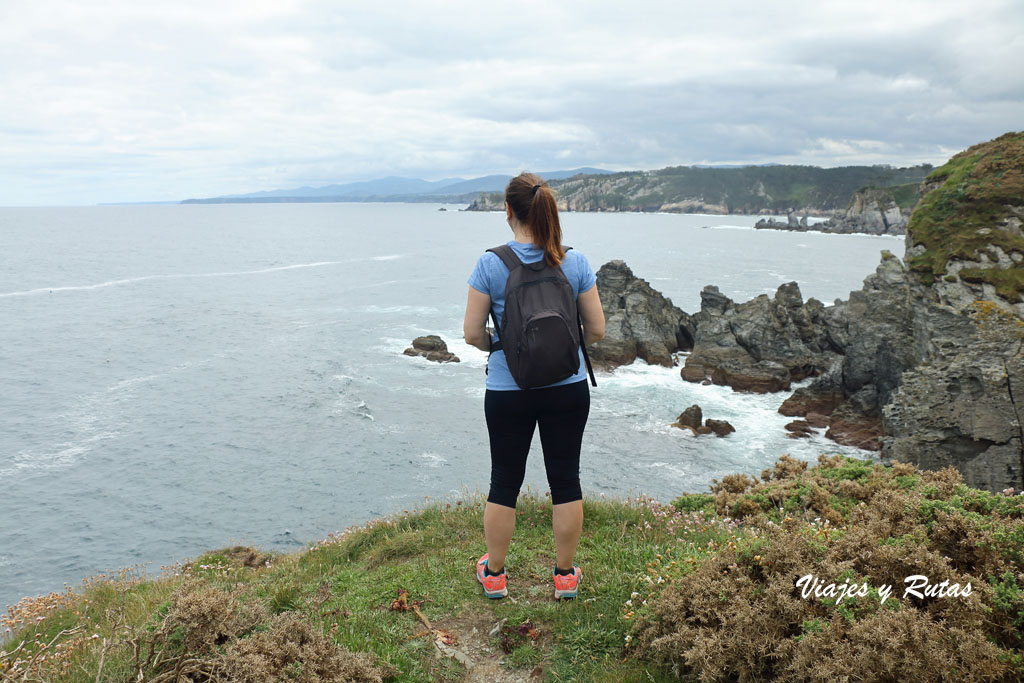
{"type": "Point", "coordinates": [508, 256]}
{"type": "Point", "coordinates": [511, 260]}
{"type": "Point", "coordinates": [583, 346]}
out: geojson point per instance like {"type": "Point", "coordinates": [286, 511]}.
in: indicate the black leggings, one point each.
{"type": "Point", "coordinates": [561, 413]}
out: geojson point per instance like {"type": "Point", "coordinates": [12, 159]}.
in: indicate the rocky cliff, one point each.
{"type": "Point", "coordinates": [639, 321]}
{"type": "Point", "coordinates": [762, 344]}
{"type": "Point", "coordinates": [872, 211]}
{"type": "Point", "coordinates": [925, 362]}
{"type": "Point", "coordinates": [933, 346]}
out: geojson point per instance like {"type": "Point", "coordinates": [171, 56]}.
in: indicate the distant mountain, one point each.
{"type": "Point", "coordinates": [497, 183]}
{"type": "Point", "coordinates": [392, 187]}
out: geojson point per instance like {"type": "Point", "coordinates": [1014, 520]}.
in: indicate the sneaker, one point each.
{"type": "Point", "coordinates": [494, 586]}
{"type": "Point", "coordinates": [567, 585]}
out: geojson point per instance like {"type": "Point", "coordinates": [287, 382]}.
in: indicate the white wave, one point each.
{"type": "Point", "coordinates": [672, 468]}
{"type": "Point", "coordinates": [170, 276]}
{"type": "Point", "coordinates": [389, 257]}
{"type": "Point", "coordinates": [132, 381]}
{"type": "Point", "coordinates": [433, 459]}
{"type": "Point", "coordinates": [94, 418]}
{"type": "Point", "coordinates": [397, 309]}
{"type": "Point", "coordinates": [371, 285]}
{"type": "Point", "coordinates": [640, 375]}
{"type": "Point", "coordinates": [68, 453]}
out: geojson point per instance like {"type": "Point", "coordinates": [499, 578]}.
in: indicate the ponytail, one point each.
{"type": "Point", "coordinates": [533, 204]}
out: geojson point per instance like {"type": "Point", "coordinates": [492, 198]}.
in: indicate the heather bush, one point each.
{"type": "Point", "coordinates": [292, 649]}
{"type": "Point", "coordinates": [740, 614]}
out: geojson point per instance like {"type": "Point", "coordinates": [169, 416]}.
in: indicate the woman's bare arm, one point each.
{"type": "Point", "coordinates": [589, 303]}
{"type": "Point", "coordinates": [478, 307]}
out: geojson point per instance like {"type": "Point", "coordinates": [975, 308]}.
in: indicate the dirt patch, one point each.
{"type": "Point", "coordinates": [473, 630]}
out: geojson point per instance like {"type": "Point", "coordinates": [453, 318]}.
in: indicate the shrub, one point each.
{"type": "Point", "coordinates": [741, 615]}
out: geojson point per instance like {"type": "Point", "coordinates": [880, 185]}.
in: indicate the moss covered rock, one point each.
{"type": "Point", "coordinates": [969, 222]}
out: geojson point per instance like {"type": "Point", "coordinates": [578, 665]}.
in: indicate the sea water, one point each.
{"type": "Point", "coordinates": [180, 378]}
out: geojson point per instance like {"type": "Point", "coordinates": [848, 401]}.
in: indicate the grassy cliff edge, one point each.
{"type": "Point", "coordinates": [705, 588]}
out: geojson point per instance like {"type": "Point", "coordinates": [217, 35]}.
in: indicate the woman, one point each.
{"type": "Point", "coordinates": [560, 409]}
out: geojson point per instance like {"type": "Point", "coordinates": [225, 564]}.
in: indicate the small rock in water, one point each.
{"type": "Point", "coordinates": [719, 427]}
{"type": "Point", "coordinates": [431, 347]}
{"type": "Point", "coordinates": [692, 419]}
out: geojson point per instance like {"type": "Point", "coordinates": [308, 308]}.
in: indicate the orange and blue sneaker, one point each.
{"type": "Point", "coordinates": [494, 585]}
{"type": "Point", "coordinates": [566, 585]}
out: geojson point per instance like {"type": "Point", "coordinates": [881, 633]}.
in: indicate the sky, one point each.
{"type": "Point", "coordinates": [129, 101]}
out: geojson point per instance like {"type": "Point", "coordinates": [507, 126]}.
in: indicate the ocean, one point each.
{"type": "Point", "coordinates": [175, 379]}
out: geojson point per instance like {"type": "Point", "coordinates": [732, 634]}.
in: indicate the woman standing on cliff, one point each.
{"type": "Point", "coordinates": [559, 409]}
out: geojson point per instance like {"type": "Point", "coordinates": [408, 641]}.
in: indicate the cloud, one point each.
{"type": "Point", "coordinates": [122, 101]}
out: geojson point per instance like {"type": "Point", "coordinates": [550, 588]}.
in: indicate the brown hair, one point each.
{"type": "Point", "coordinates": [533, 204]}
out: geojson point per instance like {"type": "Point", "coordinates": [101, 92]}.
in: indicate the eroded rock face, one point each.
{"type": "Point", "coordinates": [639, 321]}
{"type": "Point", "coordinates": [964, 408]}
{"type": "Point", "coordinates": [762, 344]}
{"type": "Point", "coordinates": [924, 381]}
{"type": "Point", "coordinates": [876, 332]}
{"type": "Point", "coordinates": [431, 347]}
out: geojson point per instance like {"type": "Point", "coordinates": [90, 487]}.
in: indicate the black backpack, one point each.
{"type": "Point", "coordinates": [541, 327]}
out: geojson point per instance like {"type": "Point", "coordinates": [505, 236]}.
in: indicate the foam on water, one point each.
{"type": "Point", "coordinates": [419, 310]}
{"type": "Point", "coordinates": [178, 276]}
{"type": "Point", "coordinates": [433, 460]}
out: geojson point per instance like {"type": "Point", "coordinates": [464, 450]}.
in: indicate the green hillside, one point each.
{"type": "Point", "coordinates": [746, 190]}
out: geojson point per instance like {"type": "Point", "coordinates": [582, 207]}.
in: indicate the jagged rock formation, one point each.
{"type": "Point", "coordinates": [639, 321]}
{"type": "Point", "coordinates": [932, 350]}
{"type": "Point", "coordinates": [872, 211]}
{"type": "Point", "coordinates": [925, 362]}
{"type": "Point", "coordinates": [432, 348]}
{"type": "Point", "coordinates": [762, 344]}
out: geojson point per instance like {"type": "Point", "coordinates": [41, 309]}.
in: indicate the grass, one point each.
{"type": "Point", "coordinates": [355, 606]}
{"type": "Point", "coordinates": [345, 585]}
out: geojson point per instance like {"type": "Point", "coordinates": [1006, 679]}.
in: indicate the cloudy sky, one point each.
{"type": "Point", "coordinates": [122, 100]}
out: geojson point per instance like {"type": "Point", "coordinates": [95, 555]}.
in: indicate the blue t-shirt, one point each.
{"type": "Point", "coordinates": [489, 277]}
